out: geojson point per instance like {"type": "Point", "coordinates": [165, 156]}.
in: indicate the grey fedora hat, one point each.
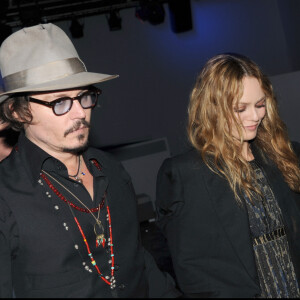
{"type": "Point", "coordinates": [42, 58]}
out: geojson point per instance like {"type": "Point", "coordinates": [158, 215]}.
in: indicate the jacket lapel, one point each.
{"type": "Point", "coordinates": [234, 220]}
{"type": "Point", "coordinates": [281, 191]}
{"type": "Point", "coordinates": [277, 184]}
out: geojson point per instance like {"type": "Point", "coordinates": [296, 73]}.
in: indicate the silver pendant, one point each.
{"type": "Point", "coordinates": [78, 180]}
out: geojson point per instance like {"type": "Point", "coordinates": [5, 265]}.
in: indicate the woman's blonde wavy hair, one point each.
{"type": "Point", "coordinates": [211, 117]}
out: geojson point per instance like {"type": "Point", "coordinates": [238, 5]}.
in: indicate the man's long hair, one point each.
{"type": "Point", "coordinates": [211, 118]}
{"type": "Point", "coordinates": [16, 106]}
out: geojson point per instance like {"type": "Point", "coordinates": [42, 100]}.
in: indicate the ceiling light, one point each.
{"type": "Point", "coordinates": [151, 11]}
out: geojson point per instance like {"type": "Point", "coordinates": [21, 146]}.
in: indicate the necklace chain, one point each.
{"type": "Point", "coordinates": [86, 209]}
{"type": "Point", "coordinates": [78, 169]}
{"type": "Point", "coordinates": [99, 237]}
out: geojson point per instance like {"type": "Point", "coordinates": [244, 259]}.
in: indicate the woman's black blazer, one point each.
{"type": "Point", "coordinates": [208, 232]}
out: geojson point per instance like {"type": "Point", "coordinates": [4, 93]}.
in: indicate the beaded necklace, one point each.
{"type": "Point", "coordinates": [110, 280]}
{"type": "Point", "coordinates": [86, 210]}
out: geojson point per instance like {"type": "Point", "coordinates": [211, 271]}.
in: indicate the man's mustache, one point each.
{"type": "Point", "coordinates": [77, 125]}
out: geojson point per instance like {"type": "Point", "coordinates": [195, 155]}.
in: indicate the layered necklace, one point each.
{"type": "Point", "coordinates": [98, 227]}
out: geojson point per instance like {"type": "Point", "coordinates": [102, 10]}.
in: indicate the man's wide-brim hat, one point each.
{"type": "Point", "coordinates": [42, 58]}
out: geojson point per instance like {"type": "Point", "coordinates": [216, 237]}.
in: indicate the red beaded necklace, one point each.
{"type": "Point", "coordinates": [112, 278]}
{"type": "Point", "coordinates": [95, 209]}
{"type": "Point", "coordinates": [111, 282]}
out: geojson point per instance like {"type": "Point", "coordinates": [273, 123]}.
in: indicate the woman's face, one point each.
{"type": "Point", "coordinates": [250, 109]}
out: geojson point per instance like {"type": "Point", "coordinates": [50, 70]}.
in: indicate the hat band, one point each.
{"type": "Point", "coordinates": [45, 73]}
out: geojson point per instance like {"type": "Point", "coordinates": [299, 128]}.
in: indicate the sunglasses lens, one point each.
{"type": "Point", "coordinates": [88, 99]}
{"type": "Point", "coordinates": [62, 106]}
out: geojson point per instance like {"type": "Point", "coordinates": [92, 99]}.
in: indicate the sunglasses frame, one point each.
{"type": "Point", "coordinates": [79, 97]}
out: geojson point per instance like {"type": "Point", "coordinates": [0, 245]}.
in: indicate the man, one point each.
{"type": "Point", "coordinates": [68, 218]}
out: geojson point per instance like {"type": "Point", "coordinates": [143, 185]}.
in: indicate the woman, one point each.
{"type": "Point", "coordinates": [228, 207]}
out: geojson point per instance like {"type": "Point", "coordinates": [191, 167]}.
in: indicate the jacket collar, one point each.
{"type": "Point", "coordinates": [32, 157]}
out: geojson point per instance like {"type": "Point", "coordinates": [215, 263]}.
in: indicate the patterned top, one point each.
{"type": "Point", "coordinates": [274, 265]}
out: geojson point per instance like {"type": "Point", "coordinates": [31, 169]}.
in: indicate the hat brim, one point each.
{"type": "Point", "coordinates": [72, 81]}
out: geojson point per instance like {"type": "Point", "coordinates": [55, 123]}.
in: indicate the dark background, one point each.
{"type": "Point", "coordinates": [158, 67]}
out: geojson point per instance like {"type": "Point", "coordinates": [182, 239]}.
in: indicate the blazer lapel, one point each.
{"type": "Point", "coordinates": [234, 220]}
{"type": "Point", "coordinates": [277, 183]}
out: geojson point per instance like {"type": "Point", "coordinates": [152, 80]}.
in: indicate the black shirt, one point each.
{"type": "Point", "coordinates": [43, 253]}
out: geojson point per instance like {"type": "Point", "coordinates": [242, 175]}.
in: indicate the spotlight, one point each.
{"type": "Point", "coordinates": [180, 15]}
{"type": "Point", "coordinates": [114, 21]}
{"type": "Point", "coordinates": [76, 29]}
{"type": "Point", "coordinates": [151, 11]}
